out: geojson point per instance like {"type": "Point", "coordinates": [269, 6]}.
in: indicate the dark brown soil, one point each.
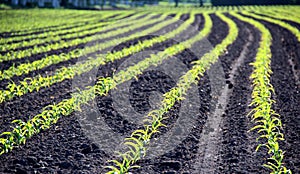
{"type": "Point", "coordinates": [52, 28]}
{"type": "Point", "coordinates": [180, 159]}
{"type": "Point", "coordinates": [72, 150]}
{"type": "Point", "coordinates": [6, 64]}
{"type": "Point", "coordinates": [65, 148]}
{"type": "Point", "coordinates": [111, 18]}
{"type": "Point", "coordinates": [286, 49]}
{"type": "Point", "coordinates": [35, 101]}
{"type": "Point", "coordinates": [237, 151]}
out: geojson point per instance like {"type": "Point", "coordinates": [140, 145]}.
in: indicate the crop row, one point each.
{"type": "Point", "coordinates": [29, 40]}
{"type": "Point", "coordinates": [139, 140]}
{"type": "Point", "coordinates": [22, 15]}
{"type": "Point", "coordinates": [49, 38]}
{"type": "Point", "coordinates": [24, 130]}
{"type": "Point", "coordinates": [53, 59]}
{"type": "Point", "coordinates": [283, 24]}
{"type": "Point", "coordinates": [290, 11]}
{"type": "Point", "coordinates": [274, 14]}
{"type": "Point", "coordinates": [35, 83]}
{"type": "Point", "coordinates": [65, 44]}
{"type": "Point", "coordinates": [35, 20]}
{"type": "Point", "coordinates": [268, 123]}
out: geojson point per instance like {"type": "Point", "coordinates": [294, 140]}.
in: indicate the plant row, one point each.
{"type": "Point", "coordinates": [268, 123]}
{"type": "Point", "coordinates": [21, 16]}
{"type": "Point", "coordinates": [279, 15]}
{"type": "Point", "coordinates": [50, 38]}
{"type": "Point", "coordinates": [28, 22]}
{"type": "Point", "coordinates": [52, 113]}
{"type": "Point", "coordinates": [54, 59]}
{"type": "Point", "coordinates": [290, 11]}
{"type": "Point", "coordinates": [45, 37]}
{"type": "Point", "coordinates": [139, 140]}
{"type": "Point", "coordinates": [19, 27]}
{"type": "Point", "coordinates": [65, 44]}
{"type": "Point", "coordinates": [37, 82]}
{"type": "Point", "coordinates": [283, 24]}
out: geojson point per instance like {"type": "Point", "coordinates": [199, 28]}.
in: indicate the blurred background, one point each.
{"type": "Point", "coordinates": [123, 4]}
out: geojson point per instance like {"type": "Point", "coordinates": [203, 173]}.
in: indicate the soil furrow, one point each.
{"type": "Point", "coordinates": [231, 62]}
{"type": "Point", "coordinates": [32, 103]}
{"type": "Point", "coordinates": [237, 146]}
{"type": "Point", "coordinates": [6, 64]}
{"type": "Point", "coordinates": [70, 32]}
{"type": "Point", "coordinates": [49, 29]}
{"type": "Point", "coordinates": [73, 151]}
{"type": "Point", "coordinates": [207, 132]}
{"type": "Point", "coordinates": [105, 104]}
{"type": "Point", "coordinates": [295, 24]}
{"type": "Point", "coordinates": [286, 48]}
{"type": "Point", "coordinates": [180, 158]}
{"type": "Point", "coordinates": [49, 70]}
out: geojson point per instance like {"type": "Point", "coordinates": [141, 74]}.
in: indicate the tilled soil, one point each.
{"type": "Point", "coordinates": [50, 28]}
{"type": "Point", "coordinates": [295, 24]}
{"type": "Point", "coordinates": [69, 32]}
{"type": "Point", "coordinates": [180, 158]}
{"type": "Point", "coordinates": [286, 56]}
{"type": "Point", "coordinates": [31, 104]}
{"type": "Point", "coordinates": [76, 37]}
{"type": "Point", "coordinates": [6, 64]}
{"type": "Point", "coordinates": [68, 148]}
{"type": "Point", "coordinates": [50, 69]}
{"type": "Point", "coordinates": [72, 149]}
{"type": "Point", "coordinates": [236, 154]}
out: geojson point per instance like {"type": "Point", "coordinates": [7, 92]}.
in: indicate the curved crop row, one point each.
{"type": "Point", "coordinates": [50, 39]}
{"type": "Point", "coordinates": [25, 68]}
{"type": "Point", "coordinates": [17, 42]}
{"type": "Point", "coordinates": [274, 14]}
{"type": "Point", "coordinates": [289, 27]}
{"type": "Point", "coordinates": [139, 139]}
{"type": "Point", "coordinates": [289, 11]}
{"type": "Point", "coordinates": [22, 15]}
{"type": "Point", "coordinates": [64, 44]}
{"type": "Point", "coordinates": [35, 83]}
{"type": "Point", "coordinates": [267, 120]}
{"type": "Point", "coordinates": [20, 29]}
{"type": "Point", "coordinates": [52, 113]}
{"type": "Point", "coordinates": [36, 20]}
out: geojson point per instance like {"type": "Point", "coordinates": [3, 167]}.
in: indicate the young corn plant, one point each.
{"type": "Point", "coordinates": [25, 68]}
{"type": "Point", "coordinates": [92, 28]}
{"type": "Point", "coordinates": [64, 44]}
{"type": "Point", "coordinates": [283, 24]}
{"type": "Point", "coordinates": [56, 33]}
{"type": "Point", "coordinates": [268, 121]}
{"type": "Point", "coordinates": [52, 113]}
{"type": "Point", "coordinates": [34, 84]}
{"type": "Point", "coordinates": [139, 140]}
{"type": "Point", "coordinates": [18, 23]}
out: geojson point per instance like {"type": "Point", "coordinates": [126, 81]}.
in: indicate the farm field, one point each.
{"type": "Point", "coordinates": [152, 90]}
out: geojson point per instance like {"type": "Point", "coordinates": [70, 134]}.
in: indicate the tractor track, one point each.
{"type": "Point", "coordinates": [219, 140]}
